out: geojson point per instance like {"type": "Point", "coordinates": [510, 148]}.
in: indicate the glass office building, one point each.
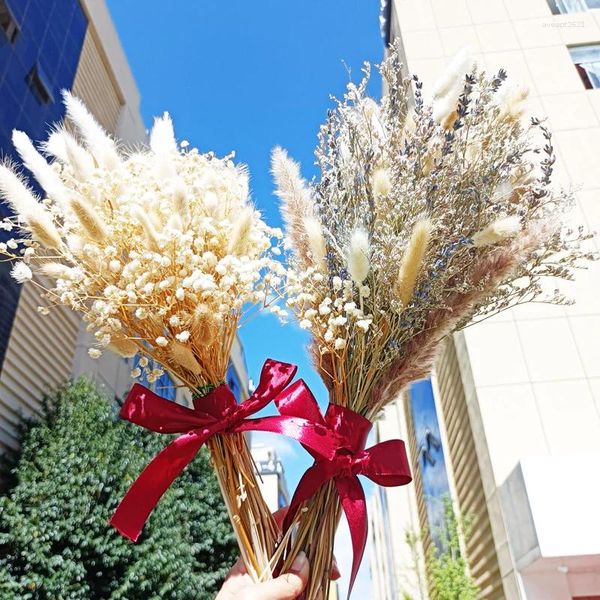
{"type": "Point", "coordinates": [47, 46]}
{"type": "Point", "coordinates": [40, 46]}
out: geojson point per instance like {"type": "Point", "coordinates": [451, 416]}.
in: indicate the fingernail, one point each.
{"type": "Point", "coordinates": [299, 563]}
{"type": "Point", "coordinates": [335, 571]}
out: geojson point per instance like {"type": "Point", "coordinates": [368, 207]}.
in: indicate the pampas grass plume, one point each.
{"type": "Point", "coordinates": [90, 221]}
{"type": "Point", "coordinates": [450, 86]}
{"type": "Point", "coordinates": [25, 204]}
{"type": "Point", "coordinates": [296, 207]}
{"type": "Point", "coordinates": [38, 166]}
{"type": "Point", "coordinates": [55, 270]}
{"type": "Point", "coordinates": [164, 146]}
{"type": "Point", "coordinates": [63, 146]}
{"type": "Point", "coordinates": [75, 244]}
{"type": "Point", "coordinates": [290, 186]}
{"type": "Point", "coordinates": [513, 102]}
{"type": "Point", "coordinates": [240, 236]}
{"type": "Point", "coordinates": [180, 201]}
{"type": "Point", "coordinates": [21, 272]}
{"type": "Point", "coordinates": [454, 73]}
{"type": "Point", "coordinates": [162, 136]}
{"type": "Point", "coordinates": [14, 190]}
{"type": "Point", "coordinates": [55, 145]}
{"type": "Point", "coordinates": [42, 229]}
{"type": "Point", "coordinates": [316, 241]}
{"type": "Point", "coordinates": [123, 347]}
{"type": "Point", "coordinates": [204, 329]}
{"type": "Point", "coordinates": [412, 260]}
{"type": "Point", "coordinates": [381, 183]}
{"type": "Point", "coordinates": [148, 226]}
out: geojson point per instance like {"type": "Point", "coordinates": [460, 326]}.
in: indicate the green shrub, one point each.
{"type": "Point", "coordinates": [75, 465]}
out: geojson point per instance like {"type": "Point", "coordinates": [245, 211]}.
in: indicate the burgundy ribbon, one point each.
{"type": "Point", "coordinates": [385, 464]}
{"type": "Point", "coordinates": [215, 413]}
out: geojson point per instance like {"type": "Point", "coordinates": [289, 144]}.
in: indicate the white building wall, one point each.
{"type": "Point", "coordinates": [271, 477]}
{"type": "Point", "coordinates": [398, 573]}
{"type": "Point", "coordinates": [535, 369]}
{"type": "Point", "coordinates": [42, 352]}
{"type": "Point", "coordinates": [130, 127]}
{"type": "Point", "coordinates": [379, 559]}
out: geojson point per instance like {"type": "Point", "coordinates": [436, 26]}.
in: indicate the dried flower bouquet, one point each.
{"type": "Point", "coordinates": [428, 216]}
{"type": "Point", "coordinates": [160, 250]}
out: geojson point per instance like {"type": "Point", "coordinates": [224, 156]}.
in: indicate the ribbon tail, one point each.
{"type": "Point", "coordinates": [354, 504]}
{"type": "Point", "coordinates": [308, 485]}
{"type": "Point", "coordinates": [145, 492]}
{"type": "Point", "coordinates": [298, 401]}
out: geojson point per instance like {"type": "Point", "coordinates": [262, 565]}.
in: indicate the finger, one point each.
{"type": "Point", "coordinates": [285, 587]}
{"type": "Point", "coordinates": [237, 579]}
{"type": "Point", "coordinates": [238, 569]}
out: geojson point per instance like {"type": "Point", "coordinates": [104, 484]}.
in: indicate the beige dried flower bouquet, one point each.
{"type": "Point", "coordinates": [429, 215]}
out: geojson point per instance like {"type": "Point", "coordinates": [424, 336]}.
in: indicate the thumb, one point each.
{"type": "Point", "coordinates": [288, 586]}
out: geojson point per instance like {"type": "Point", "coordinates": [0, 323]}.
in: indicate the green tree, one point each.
{"type": "Point", "coordinates": [447, 570]}
{"type": "Point", "coordinates": [75, 465]}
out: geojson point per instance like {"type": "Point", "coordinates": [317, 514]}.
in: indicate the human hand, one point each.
{"type": "Point", "coordinates": [279, 517]}
{"type": "Point", "coordinates": [239, 586]}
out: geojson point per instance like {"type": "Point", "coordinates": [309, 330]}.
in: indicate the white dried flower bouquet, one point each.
{"type": "Point", "coordinates": [161, 251]}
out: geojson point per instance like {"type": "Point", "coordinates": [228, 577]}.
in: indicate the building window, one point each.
{"type": "Point", "coordinates": [39, 85]}
{"type": "Point", "coordinates": [432, 464]}
{"type": "Point", "coordinates": [164, 386]}
{"type": "Point", "coordinates": [8, 23]}
{"type": "Point", "coordinates": [563, 7]}
{"type": "Point", "coordinates": [587, 63]}
{"type": "Point", "coordinates": [234, 383]}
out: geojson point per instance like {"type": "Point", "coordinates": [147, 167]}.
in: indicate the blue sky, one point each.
{"type": "Point", "coordinates": [247, 76]}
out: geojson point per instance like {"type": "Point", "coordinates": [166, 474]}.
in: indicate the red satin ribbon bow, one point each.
{"type": "Point", "coordinates": [215, 413]}
{"type": "Point", "coordinates": [385, 464]}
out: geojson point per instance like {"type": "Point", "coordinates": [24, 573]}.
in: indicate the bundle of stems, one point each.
{"type": "Point", "coordinates": [160, 250]}
{"type": "Point", "coordinates": [428, 215]}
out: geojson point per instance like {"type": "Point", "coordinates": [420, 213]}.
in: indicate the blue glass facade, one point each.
{"type": "Point", "coordinates": [165, 386]}
{"type": "Point", "coordinates": [432, 464]}
{"type": "Point", "coordinates": [234, 383]}
{"type": "Point", "coordinates": [36, 63]}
